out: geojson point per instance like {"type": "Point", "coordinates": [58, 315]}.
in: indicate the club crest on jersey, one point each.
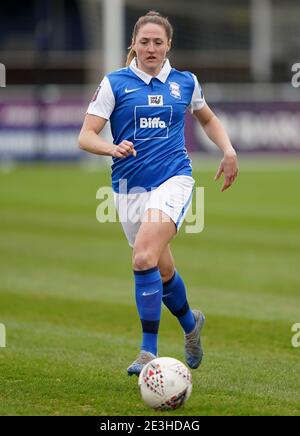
{"type": "Point", "coordinates": [175, 90]}
{"type": "Point", "coordinates": [155, 100]}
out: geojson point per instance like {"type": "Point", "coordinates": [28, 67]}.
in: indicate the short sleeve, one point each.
{"type": "Point", "coordinates": [198, 100]}
{"type": "Point", "coordinates": [103, 102]}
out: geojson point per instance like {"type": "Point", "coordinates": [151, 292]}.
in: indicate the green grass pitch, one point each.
{"type": "Point", "coordinates": [67, 298]}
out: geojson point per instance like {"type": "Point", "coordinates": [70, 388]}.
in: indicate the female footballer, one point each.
{"type": "Point", "coordinates": [152, 181]}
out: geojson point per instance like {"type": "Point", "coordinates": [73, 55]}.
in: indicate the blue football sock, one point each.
{"type": "Point", "coordinates": [174, 297]}
{"type": "Point", "coordinates": [148, 295]}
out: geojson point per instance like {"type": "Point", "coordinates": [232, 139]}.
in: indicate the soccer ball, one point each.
{"type": "Point", "coordinates": [165, 383]}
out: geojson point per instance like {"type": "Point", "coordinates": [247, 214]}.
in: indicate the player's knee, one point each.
{"type": "Point", "coordinates": [143, 260]}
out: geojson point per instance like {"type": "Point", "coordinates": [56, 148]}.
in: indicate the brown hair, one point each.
{"type": "Point", "coordinates": [151, 17]}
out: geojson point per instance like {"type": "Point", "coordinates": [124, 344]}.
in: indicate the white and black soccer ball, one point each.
{"type": "Point", "coordinates": [165, 383]}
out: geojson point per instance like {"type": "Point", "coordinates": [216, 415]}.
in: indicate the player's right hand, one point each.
{"type": "Point", "coordinates": [124, 149]}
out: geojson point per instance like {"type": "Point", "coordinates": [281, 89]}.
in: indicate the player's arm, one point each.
{"type": "Point", "coordinates": [216, 132]}
{"type": "Point", "coordinates": [89, 139]}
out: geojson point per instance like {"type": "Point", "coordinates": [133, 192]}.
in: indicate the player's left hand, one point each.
{"type": "Point", "coordinates": [228, 166]}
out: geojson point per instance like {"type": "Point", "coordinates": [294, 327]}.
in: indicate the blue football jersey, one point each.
{"type": "Point", "coordinates": [150, 112]}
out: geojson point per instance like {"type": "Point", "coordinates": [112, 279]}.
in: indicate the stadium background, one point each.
{"type": "Point", "coordinates": [66, 296]}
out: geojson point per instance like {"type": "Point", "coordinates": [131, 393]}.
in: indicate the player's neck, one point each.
{"type": "Point", "coordinates": [151, 71]}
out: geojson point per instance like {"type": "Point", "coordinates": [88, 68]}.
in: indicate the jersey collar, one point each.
{"type": "Point", "coordinates": [162, 76]}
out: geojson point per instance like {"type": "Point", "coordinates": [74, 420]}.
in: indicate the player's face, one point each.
{"type": "Point", "coordinates": [151, 46]}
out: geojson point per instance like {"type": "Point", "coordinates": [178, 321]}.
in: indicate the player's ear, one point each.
{"type": "Point", "coordinates": [169, 45]}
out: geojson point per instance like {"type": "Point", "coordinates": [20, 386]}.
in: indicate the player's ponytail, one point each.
{"type": "Point", "coordinates": [131, 55]}
{"type": "Point", "coordinates": [154, 18]}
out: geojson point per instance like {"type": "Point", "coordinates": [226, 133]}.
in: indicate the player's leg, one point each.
{"type": "Point", "coordinates": [175, 299]}
{"type": "Point", "coordinates": [155, 232]}
{"type": "Point", "coordinates": [154, 235]}
{"type": "Point", "coordinates": [174, 291]}
{"type": "Point", "coordinates": [166, 264]}
{"type": "Point", "coordinates": [166, 208]}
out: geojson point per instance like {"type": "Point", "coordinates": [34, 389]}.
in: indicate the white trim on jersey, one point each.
{"type": "Point", "coordinates": [198, 100]}
{"type": "Point", "coordinates": [162, 76]}
{"type": "Point", "coordinates": [104, 104]}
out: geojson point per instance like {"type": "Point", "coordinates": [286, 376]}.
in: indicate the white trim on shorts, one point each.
{"type": "Point", "coordinates": [173, 197]}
